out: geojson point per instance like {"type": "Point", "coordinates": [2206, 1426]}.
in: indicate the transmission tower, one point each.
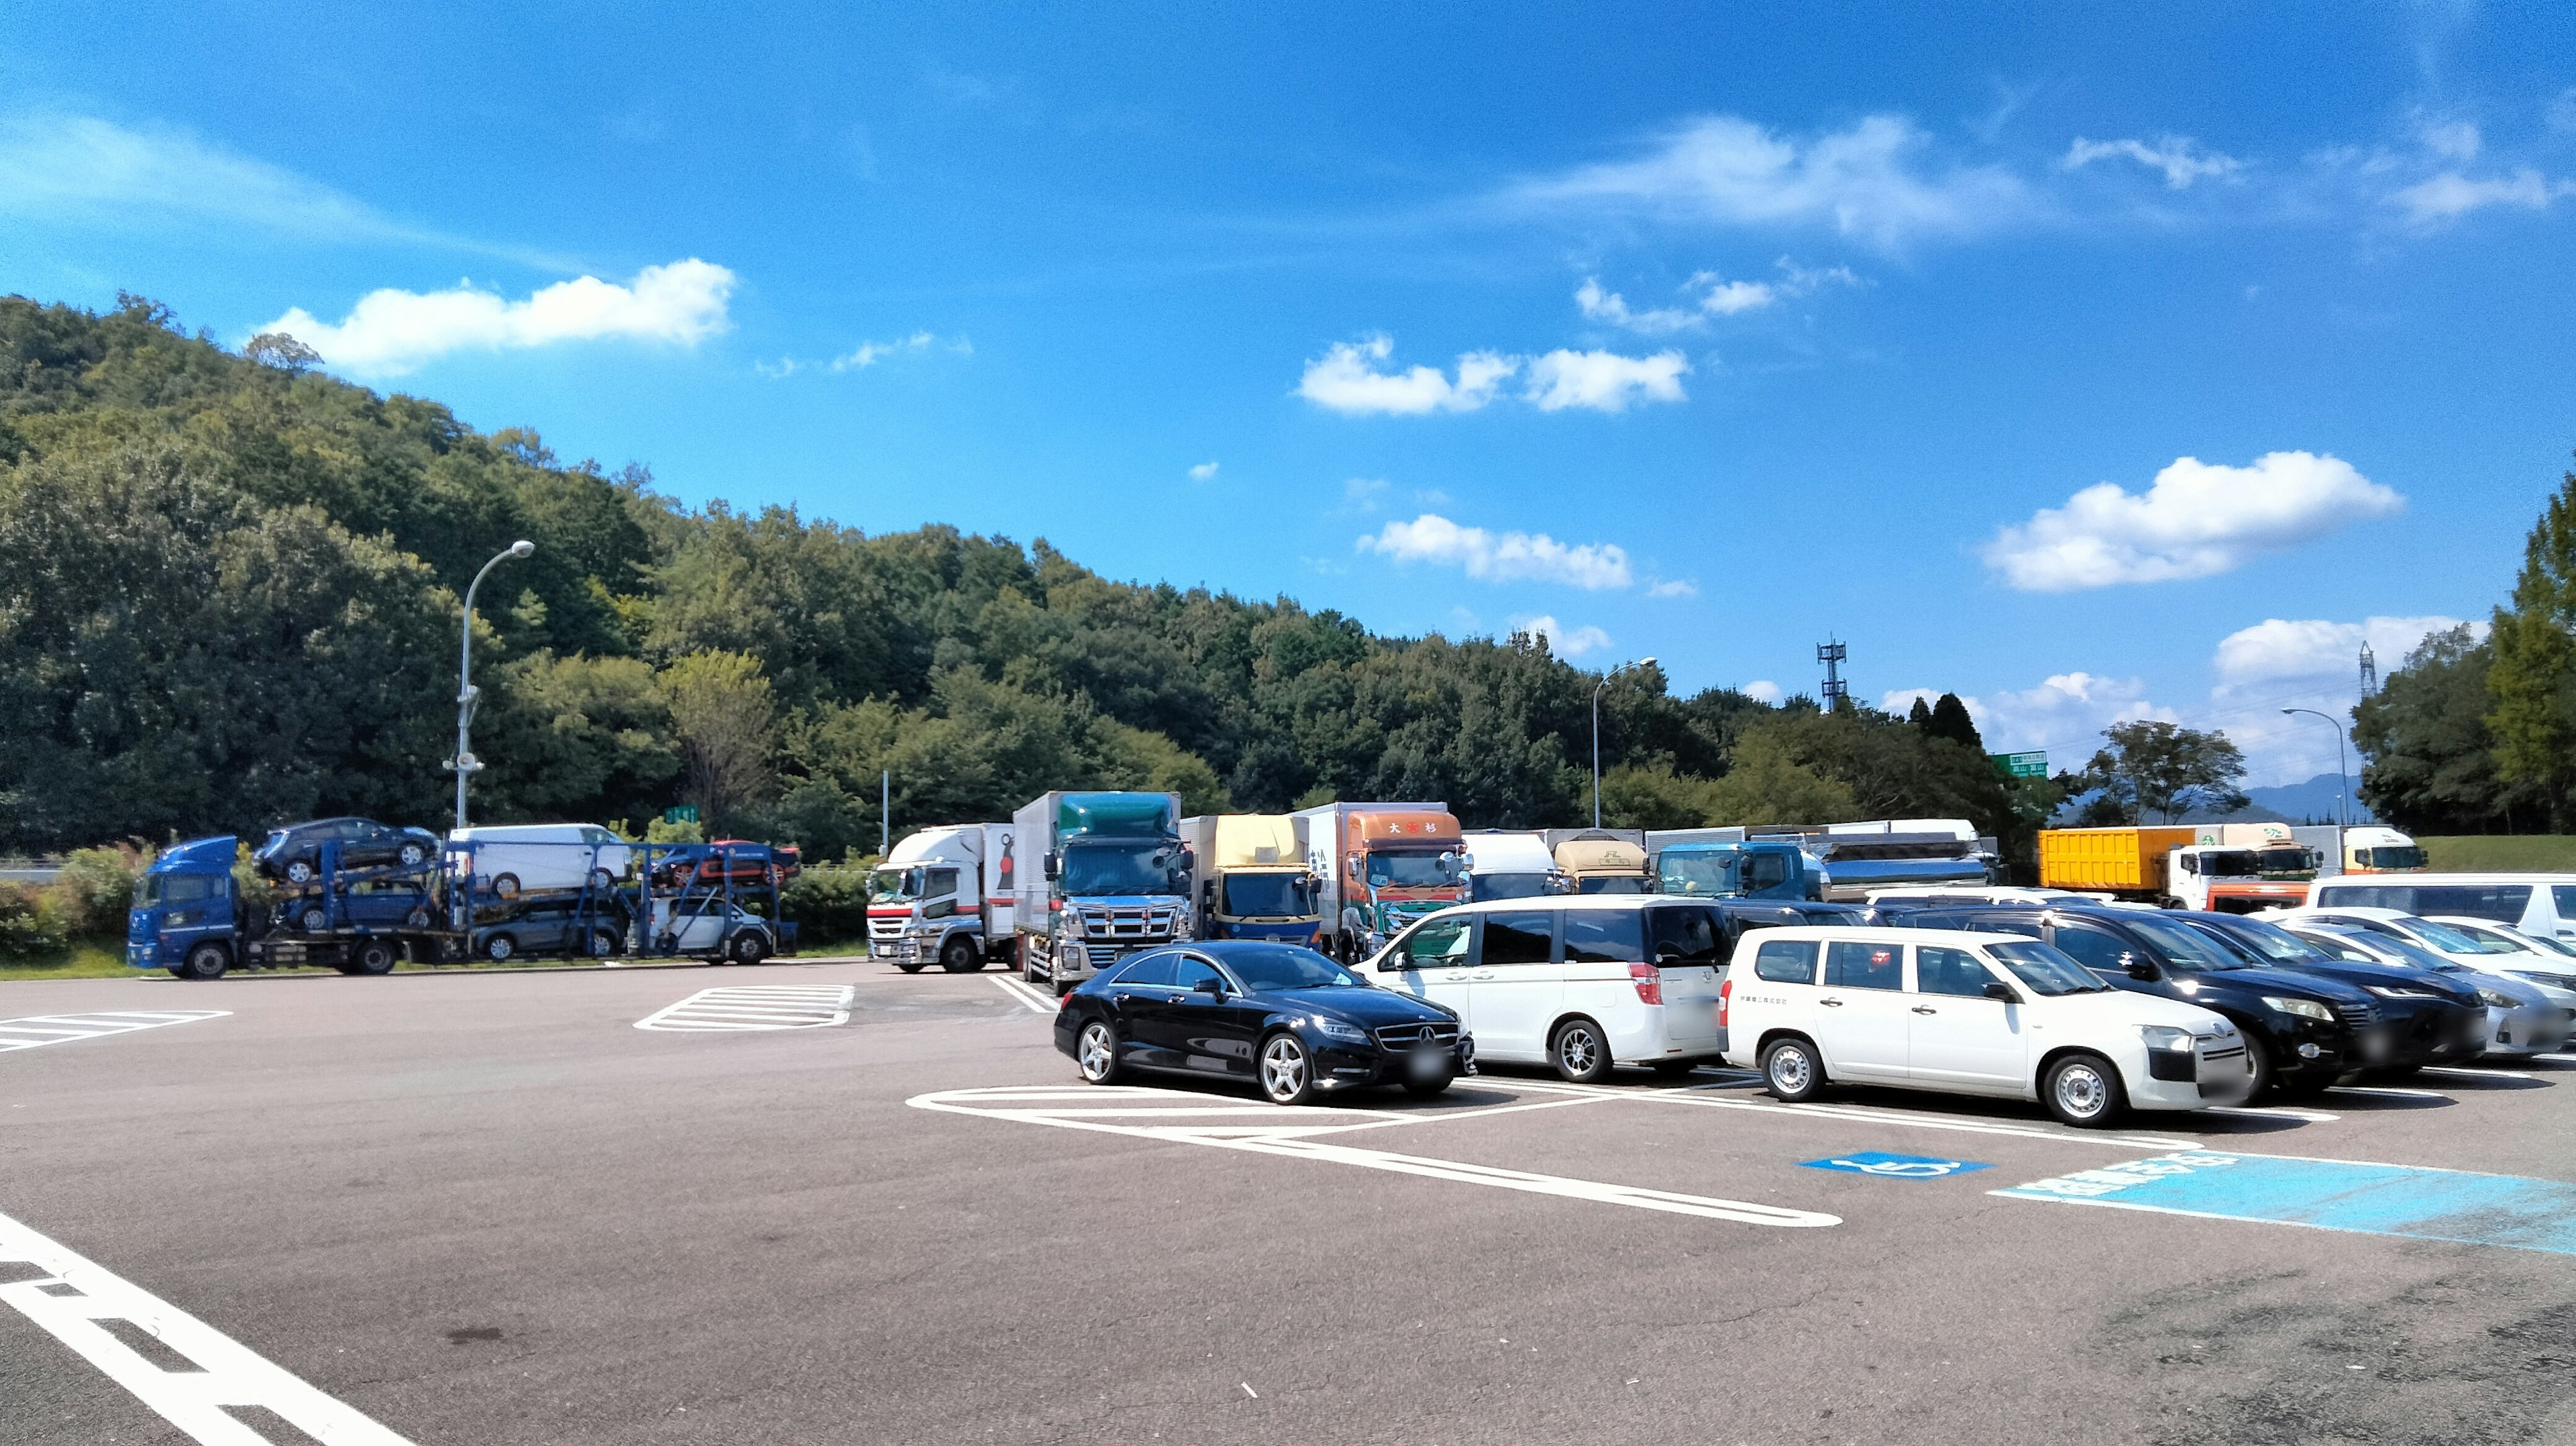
{"type": "Point", "coordinates": [1837, 692]}
{"type": "Point", "coordinates": [2369, 670]}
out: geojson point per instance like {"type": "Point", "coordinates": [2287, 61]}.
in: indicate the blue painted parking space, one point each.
{"type": "Point", "coordinates": [1890, 1166]}
{"type": "Point", "coordinates": [2373, 1199]}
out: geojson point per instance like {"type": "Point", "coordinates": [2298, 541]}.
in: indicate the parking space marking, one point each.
{"type": "Point", "coordinates": [2300, 1113]}
{"type": "Point", "coordinates": [1871, 1114]}
{"type": "Point", "coordinates": [1101, 1107]}
{"type": "Point", "coordinates": [755, 1007]}
{"type": "Point", "coordinates": [2483, 1073]}
{"type": "Point", "coordinates": [77, 1301]}
{"type": "Point", "coordinates": [2394, 1092]}
{"type": "Point", "coordinates": [32, 1030]}
{"type": "Point", "coordinates": [2357, 1196]}
{"type": "Point", "coordinates": [1024, 992]}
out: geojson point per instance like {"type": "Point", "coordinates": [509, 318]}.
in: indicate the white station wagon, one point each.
{"type": "Point", "coordinates": [1981, 1014]}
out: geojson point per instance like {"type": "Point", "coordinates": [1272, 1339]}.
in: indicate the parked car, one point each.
{"type": "Point", "coordinates": [2542, 961]}
{"type": "Point", "coordinates": [294, 853]}
{"type": "Point", "coordinates": [2425, 1016]}
{"type": "Point", "coordinates": [730, 933]}
{"type": "Point", "coordinates": [728, 859]}
{"type": "Point", "coordinates": [560, 926]}
{"type": "Point", "coordinates": [2542, 905]}
{"type": "Point", "coordinates": [1282, 1015]}
{"type": "Point", "coordinates": [1971, 1013]}
{"type": "Point", "coordinates": [2307, 1031]}
{"type": "Point", "coordinates": [508, 858]}
{"type": "Point", "coordinates": [386, 904]}
{"type": "Point", "coordinates": [2522, 1018]}
{"type": "Point", "coordinates": [1582, 982]}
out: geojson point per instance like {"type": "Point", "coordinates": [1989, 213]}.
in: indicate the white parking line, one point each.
{"type": "Point", "coordinates": [1024, 992]}
{"type": "Point", "coordinates": [2392, 1091]}
{"type": "Point", "coordinates": [755, 1007]}
{"type": "Point", "coordinates": [2483, 1073]}
{"type": "Point", "coordinates": [2285, 1112]}
{"type": "Point", "coordinates": [1697, 1095]}
{"type": "Point", "coordinates": [31, 1030]}
{"type": "Point", "coordinates": [79, 1299]}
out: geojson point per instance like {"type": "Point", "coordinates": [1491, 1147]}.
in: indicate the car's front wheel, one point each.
{"type": "Point", "coordinates": [499, 948]}
{"type": "Point", "coordinates": [299, 872]}
{"type": "Point", "coordinates": [505, 886]}
{"type": "Point", "coordinates": [603, 945]}
{"type": "Point", "coordinates": [2083, 1090]}
{"type": "Point", "coordinates": [1096, 1051]}
{"type": "Point", "coordinates": [1287, 1070]}
{"type": "Point", "coordinates": [1791, 1071]}
{"type": "Point", "coordinates": [412, 854]}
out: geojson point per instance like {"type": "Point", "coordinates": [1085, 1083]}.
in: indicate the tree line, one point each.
{"type": "Point", "coordinates": [229, 595]}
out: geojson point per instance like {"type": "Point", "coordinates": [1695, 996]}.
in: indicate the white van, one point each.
{"type": "Point", "coordinates": [2541, 905]}
{"type": "Point", "coordinates": [1577, 981]}
{"type": "Point", "coordinates": [515, 856]}
{"type": "Point", "coordinates": [1970, 1013]}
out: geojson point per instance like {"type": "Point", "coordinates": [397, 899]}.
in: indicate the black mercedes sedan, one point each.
{"type": "Point", "coordinates": [1281, 1015]}
{"type": "Point", "coordinates": [2424, 1018]}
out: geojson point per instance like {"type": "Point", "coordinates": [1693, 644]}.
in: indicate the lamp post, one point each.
{"type": "Point", "coordinates": [464, 762]}
{"type": "Point", "coordinates": [2343, 779]}
{"type": "Point", "coordinates": [1596, 730]}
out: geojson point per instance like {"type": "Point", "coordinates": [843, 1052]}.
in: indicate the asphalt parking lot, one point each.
{"type": "Point", "coordinates": [831, 1203]}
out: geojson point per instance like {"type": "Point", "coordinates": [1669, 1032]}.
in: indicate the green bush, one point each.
{"type": "Point", "coordinates": [830, 906]}
{"type": "Point", "coordinates": [28, 930]}
{"type": "Point", "coordinates": [95, 889]}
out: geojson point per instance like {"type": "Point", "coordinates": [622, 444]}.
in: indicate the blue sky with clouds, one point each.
{"type": "Point", "coordinates": [2093, 369]}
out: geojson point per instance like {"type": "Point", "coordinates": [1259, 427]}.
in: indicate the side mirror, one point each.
{"type": "Point", "coordinates": [2138, 968]}
{"type": "Point", "coordinates": [1049, 863]}
{"type": "Point", "coordinates": [1215, 987]}
{"type": "Point", "coordinates": [1997, 989]}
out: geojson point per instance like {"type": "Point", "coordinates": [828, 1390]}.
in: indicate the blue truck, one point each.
{"type": "Point", "coordinates": [1722, 863]}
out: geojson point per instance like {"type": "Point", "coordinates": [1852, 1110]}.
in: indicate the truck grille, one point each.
{"type": "Point", "coordinates": [1101, 957]}
{"type": "Point", "coordinates": [1417, 1036]}
{"type": "Point", "coordinates": [1142, 925]}
{"type": "Point", "coordinates": [885, 928]}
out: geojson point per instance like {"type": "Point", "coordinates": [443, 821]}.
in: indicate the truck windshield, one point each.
{"type": "Point", "coordinates": [1481, 887]}
{"type": "Point", "coordinates": [1406, 871]}
{"type": "Point", "coordinates": [2233, 864]}
{"type": "Point", "coordinates": [2045, 970]}
{"type": "Point", "coordinates": [894, 886]}
{"type": "Point", "coordinates": [152, 890]}
{"type": "Point", "coordinates": [1611, 884]}
{"type": "Point", "coordinates": [1707, 875]}
{"type": "Point", "coordinates": [2286, 861]}
{"type": "Point", "coordinates": [1118, 868]}
{"type": "Point", "coordinates": [1268, 896]}
{"type": "Point", "coordinates": [2405, 858]}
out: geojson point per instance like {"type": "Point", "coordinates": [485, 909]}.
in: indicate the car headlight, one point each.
{"type": "Point", "coordinates": [2165, 1036]}
{"type": "Point", "coordinates": [2304, 1008]}
{"type": "Point", "coordinates": [2384, 992]}
{"type": "Point", "coordinates": [2493, 1000]}
{"type": "Point", "coordinates": [1337, 1029]}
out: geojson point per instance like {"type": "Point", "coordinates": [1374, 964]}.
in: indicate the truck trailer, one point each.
{"type": "Point", "coordinates": [1113, 877]}
{"type": "Point", "coordinates": [1253, 881]}
{"type": "Point", "coordinates": [1379, 867]}
{"type": "Point", "coordinates": [946, 895]}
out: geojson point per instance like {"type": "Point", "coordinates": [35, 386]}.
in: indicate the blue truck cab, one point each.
{"type": "Point", "coordinates": [188, 916]}
{"type": "Point", "coordinates": [1751, 869]}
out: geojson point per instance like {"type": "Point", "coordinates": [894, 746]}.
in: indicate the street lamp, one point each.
{"type": "Point", "coordinates": [466, 693]}
{"type": "Point", "coordinates": [1596, 730]}
{"type": "Point", "coordinates": [2343, 779]}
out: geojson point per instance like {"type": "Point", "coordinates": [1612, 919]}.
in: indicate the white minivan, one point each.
{"type": "Point", "coordinates": [514, 856]}
{"type": "Point", "coordinates": [2541, 905]}
{"type": "Point", "coordinates": [1578, 981]}
{"type": "Point", "coordinates": [1969, 1013]}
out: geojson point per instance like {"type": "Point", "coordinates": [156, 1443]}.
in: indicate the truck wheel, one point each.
{"type": "Point", "coordinates": [910, 966]}
{"type": "Point", "coordinates": [375, 957]}
{"type": "Point", "coordinates": [505, 886]}
{"type": "Point", "coordinates": [960, 956]}
{"type": "Point", "coordinates": [206, 961]}
{"type": "Point", "coordinates": [746, 948]}
{"type": "Point", "coordinates": [1030, 973]}
{"type": "Point", "coordinates": [499, 948]}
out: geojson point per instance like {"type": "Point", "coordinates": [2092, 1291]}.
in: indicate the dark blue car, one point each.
{"type": "Point", "coordinates": [1281, 1015]}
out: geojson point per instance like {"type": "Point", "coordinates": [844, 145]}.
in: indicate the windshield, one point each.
{"type": "Point", "coordinates": [2269, 941]}
{"type": "Point", "coordinates": [2286, 860]}
{"type": "Point", "coordinates": [1611, 884]}
{"type": "Point", "coordinates": [2185, 946]}
{"type": "Point", "coordinates": [894, 886]}
{"type": "Point", "coordinates": [147, 891]}
{"type": "Point", "coordinates": [1481, 887]}
{"type": "Point", "coordinates": [2045, 970]}
{"type": "Point", "coordinates": [2405, 858]}
{"type": "Point", "coordinates": [1268, 896]}
{"type": "Point", "coordinates": [1119, 868]}
{"type": "Point", "coordinates": [2234, 864]}
{"type": "Point", "coordinates": [1286, 966]}
{"type": "Point", "coordinates": [1406, 871]}
{"type": "Point", "coordinates": [1705, 874]}
{"type": "Point", "coordinates": [2452, 940]}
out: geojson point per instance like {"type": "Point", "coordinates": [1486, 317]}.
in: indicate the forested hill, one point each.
{"type": "Point", "coordinates": [229, 595]}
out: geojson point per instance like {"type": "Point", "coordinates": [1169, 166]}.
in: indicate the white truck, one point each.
{"type": "Point", "coordinates": [946, 895]}
{"type": "Point", "coordinates": [2360, 849]}
{"type": "Point", "coordinates": [1502, 864]}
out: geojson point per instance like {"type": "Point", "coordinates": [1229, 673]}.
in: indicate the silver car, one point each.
{"type": "Point", "coordinates": [2523, 1018]}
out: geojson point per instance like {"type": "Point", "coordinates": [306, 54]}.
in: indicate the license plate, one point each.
{"type": "Point", "coordinates": [2374, 1046]}
{"type": "Point", "coordinates": [1428, 1063]}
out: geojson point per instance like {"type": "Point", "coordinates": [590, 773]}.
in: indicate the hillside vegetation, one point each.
{"type": "Point", "coordinates": [229, 592]}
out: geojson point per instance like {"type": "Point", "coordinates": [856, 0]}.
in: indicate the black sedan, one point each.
{"type": "Point", "coordinates": [298, 853]}
{"type": "Point", "coordinates": [1282, 1015]}
{"type": "Point", "coordinates": [2424, 1018]}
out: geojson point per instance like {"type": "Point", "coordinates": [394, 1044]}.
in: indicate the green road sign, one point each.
{"type": "Point", "coordinates": [680, 813]}
{"type": "Point", "coordinates": [2022, 765]}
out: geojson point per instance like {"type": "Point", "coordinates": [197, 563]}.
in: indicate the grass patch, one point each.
{"type": "Point", "coordinates": [83, 961]}
{"type": "Point", "coordinates": [2530, 853]}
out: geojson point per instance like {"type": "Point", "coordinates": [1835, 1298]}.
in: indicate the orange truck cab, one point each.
{"type": "Point", "coordinates": [1379, 867]}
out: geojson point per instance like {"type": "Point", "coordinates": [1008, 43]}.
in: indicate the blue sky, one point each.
{"type": "Point", "coordinates": [2093, 369]}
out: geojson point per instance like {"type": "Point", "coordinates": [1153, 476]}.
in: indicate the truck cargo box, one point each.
{"type": "Point", "coordinates": [2115, 860]}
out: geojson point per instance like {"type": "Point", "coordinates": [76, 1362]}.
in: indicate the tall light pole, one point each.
{"type": "Point", "coordinates": [464, 762]}
{"type": "Point", "coordinates": [2343, 778]}
{"type": "Point", "coordinates": [1596, 730]}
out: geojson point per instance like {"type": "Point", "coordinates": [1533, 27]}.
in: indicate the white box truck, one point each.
{"type": "Point", "coordinates": [945, 895]}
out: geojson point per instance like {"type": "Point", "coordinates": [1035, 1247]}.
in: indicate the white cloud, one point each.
{"type": "Point", "coordinates": [1900, 701]}
{"type": "Point", "coordinates": [2451, 194]}
{"type": "Point", "coordinates": [1875, 180]}
{"type": "Point", "coordinates": [52, 163]}
{"type": "Point", "coordinates": [2065, 714]}
{"type": "Point", "coordinates": [1603, 381]}
{"type": "Point", "coordinates": [1203, 471]}
{"type": "Point", "coordinates": [389, 331]}
{"type": "Point", "coordinates": [1346, 379]}
{"type": "Point", "coordinates": [1710, 295]}
{"type": "Point", "coordinates": [1504, 556]}
{"type": "Point", "coordinates": [2453, 140]}
{"type": "Point", "coordinates": [1563, 641]}
{"type": "Point", "coordinates": [2197, 520]}
{"type": "Point", "coordinates": [2178, 157]}
{"type": "Point", "coordinates": [1762, 690]}
{"type": "Point", "coordinates": [2278, 648]}
{"type": "Point", "coordinates": [869, 353]}
{"type": "Point", "coordinates": [1361, 494]}
{"type": "Point", "coordinates": [1674, 587]}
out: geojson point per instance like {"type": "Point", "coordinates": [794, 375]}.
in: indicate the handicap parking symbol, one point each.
{"type": "Point", "coordinates": [1895, 1167]}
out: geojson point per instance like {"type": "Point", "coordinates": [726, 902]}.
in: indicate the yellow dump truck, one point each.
{"type": "Point", "coordinates": [2163, 866]}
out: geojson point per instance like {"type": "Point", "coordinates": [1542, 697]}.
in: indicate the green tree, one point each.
{"type": "Point", "coordinates": [726, 718]}
{"type": "Point", "coordinates": [2532, 677]}
{"type": "Point", "coordinates": [1767, 785]}
{"type": "Point", "coordinates": [2428, 760]}
{"type": "Point", "coordinates": [2164, 769]}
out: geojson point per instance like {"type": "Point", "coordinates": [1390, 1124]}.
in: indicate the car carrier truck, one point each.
{"type": "Point", "coordinates": [946, 895]}
{"type": "Point", "coordinates": [1379, 867]}
{"type": "Point", "coordinates": [1252, 877]}
{"type": "Point", "coordinates": [1112, 878]}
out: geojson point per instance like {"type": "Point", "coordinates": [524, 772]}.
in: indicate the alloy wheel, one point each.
{"type": "Point", "coordinates": [1283, 1069]}
{"type": "Point", "coordinates": [1099, 1052]}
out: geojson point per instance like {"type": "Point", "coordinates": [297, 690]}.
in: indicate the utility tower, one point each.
{"type": "Point", "coordinates": [2369, 670]}
{"type": "Point", "coordinates": [1837, 692]}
